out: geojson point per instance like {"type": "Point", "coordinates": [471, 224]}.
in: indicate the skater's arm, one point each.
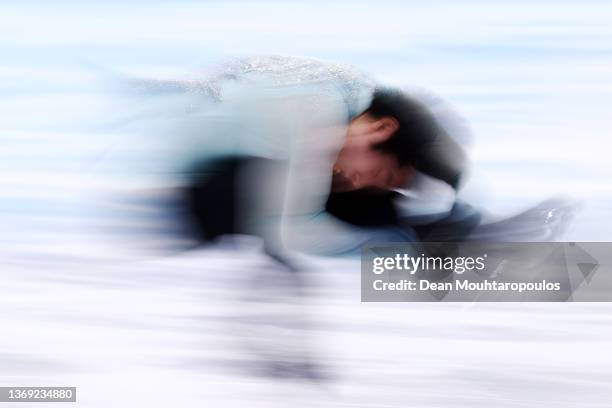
{"type": "Point", "coordinates": [306, 226]}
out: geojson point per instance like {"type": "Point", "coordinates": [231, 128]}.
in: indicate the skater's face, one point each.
{"type": "Point", "coordinates": [360, 165]}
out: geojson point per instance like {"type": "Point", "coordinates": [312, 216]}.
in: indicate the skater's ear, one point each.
{"type": "Point", "coordinates": [381, 129]}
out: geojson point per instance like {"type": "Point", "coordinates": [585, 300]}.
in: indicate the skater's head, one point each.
{"type": "Point", "coordinates": [382, 144]}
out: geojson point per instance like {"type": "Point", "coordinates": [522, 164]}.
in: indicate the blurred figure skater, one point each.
{"type": "Point", "coordinates": [316, 158]}
{"type": "Point", "coordinates": [325, 160]}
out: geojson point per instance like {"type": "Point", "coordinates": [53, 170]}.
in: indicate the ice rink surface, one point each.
{"type": "Point", "coordinates": [87, 301]}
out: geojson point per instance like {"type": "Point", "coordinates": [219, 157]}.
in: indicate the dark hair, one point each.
{"type": "Point", "coordinates": [419, 141]}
